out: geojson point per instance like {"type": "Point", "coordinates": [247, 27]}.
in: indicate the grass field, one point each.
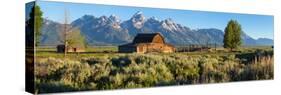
{"type": "Point", "coordinates": [99, 51]}
{"type": "Point", "coordinates": [104, 68]}
{"type": "Point", "coordinates": [90, 51]}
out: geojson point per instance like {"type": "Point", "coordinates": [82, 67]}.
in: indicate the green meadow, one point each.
{"type": "Point", "coordinates": [102, 68]}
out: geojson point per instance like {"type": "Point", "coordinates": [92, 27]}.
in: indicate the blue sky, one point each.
{"type": "Point", "coordinates": [257, 26]}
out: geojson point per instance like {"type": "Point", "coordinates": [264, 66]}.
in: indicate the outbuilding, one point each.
{"type": "Point", "coordinates": [147, 42]}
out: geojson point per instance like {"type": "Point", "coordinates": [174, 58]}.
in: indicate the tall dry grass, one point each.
{"type": "Point", "coordinates": [146, 70]}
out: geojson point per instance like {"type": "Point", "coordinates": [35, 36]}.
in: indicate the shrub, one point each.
{"type": "Point", "coordinates": [260, 68]}
{"type": "Point", "coordinates": [146, 70]}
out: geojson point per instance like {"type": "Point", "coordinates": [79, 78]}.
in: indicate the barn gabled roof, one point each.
{"type": "Point", "coordinates": [145, 37]}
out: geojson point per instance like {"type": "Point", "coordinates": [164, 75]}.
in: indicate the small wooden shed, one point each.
{"type": "Point", "coordinates": [72, 48]}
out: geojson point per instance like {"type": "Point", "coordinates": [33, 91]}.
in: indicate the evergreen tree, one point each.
{"type": "Point", "coordinates": [232, 35]}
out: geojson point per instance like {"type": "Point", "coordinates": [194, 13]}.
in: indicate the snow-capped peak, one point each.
{"type": "Point", "coordinates": [169, 21]}
{"type": "Point", "coordinates": [138, 16]}
{"type": "Point", "coordinates": [154, 18]}
{"type": "Point", "coordinates": [138, 13]}
{"type": "Point", "coordinates": [170, 25]}
{"type": "Point", "coordinates": [114, 18]}
{"type": "Point", "coordinates": [138, 19]}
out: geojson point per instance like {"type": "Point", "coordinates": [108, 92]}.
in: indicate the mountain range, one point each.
{"type": "Point", "coordinates": [110, 30]}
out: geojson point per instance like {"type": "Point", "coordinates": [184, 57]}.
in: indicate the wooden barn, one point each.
{"type": "Point", "coordinates": [73, 48]}
{"type": "Point", "coordinates": [147, 42]}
